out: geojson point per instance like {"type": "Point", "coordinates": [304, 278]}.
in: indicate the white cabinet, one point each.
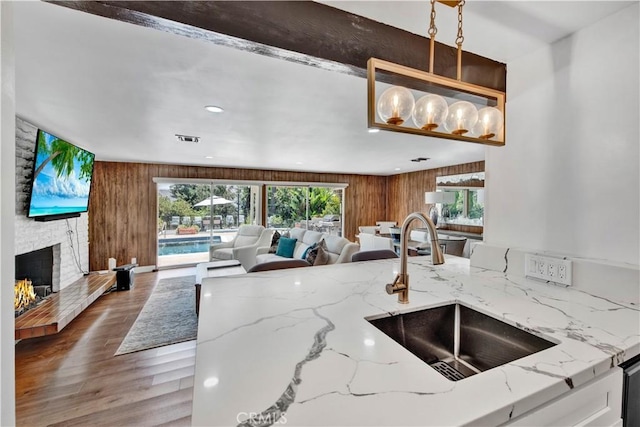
{"type": "Point", "coordinates": [596, 403]}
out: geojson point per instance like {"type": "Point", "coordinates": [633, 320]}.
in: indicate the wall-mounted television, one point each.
{"type": "Point", "coordinates": [61, 180]}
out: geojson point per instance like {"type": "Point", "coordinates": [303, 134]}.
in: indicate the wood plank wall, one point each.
{"type": "Point", "coordinates": [405, 192]}
{"type": "Point", "coordinates": [123, 205]}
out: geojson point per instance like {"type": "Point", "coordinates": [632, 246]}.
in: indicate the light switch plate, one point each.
{"type": "Point", "coordinates": [556, 270]}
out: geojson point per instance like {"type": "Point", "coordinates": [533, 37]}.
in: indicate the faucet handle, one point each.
{"type": "Point", "coordinates": [396, 286]}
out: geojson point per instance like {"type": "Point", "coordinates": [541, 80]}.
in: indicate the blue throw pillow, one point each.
{"type": "Point", "coordinates": [306, 252]}
{"type": "Point", "coordinates": [312, 253]}
{"type": "Point", "coordinates": [286, 246]}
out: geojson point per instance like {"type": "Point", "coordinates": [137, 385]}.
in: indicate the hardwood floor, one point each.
{"type": "Point", "coordinates": [73, 378]}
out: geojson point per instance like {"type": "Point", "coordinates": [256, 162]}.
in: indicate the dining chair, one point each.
{"type": "Point", "coordinates": [373, 255]}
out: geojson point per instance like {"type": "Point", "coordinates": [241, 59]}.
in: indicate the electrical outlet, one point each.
{"type": "Point", "coordinates": [562, 271]}
{"type": "Point", "coordinates": [542, 267]}
{"type": "Point", "coordinates": [551, 270]}
{"type": "Point", "coordinates": [555, 270]}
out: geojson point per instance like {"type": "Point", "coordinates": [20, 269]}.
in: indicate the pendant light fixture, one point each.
{"type": "Point", "coordinates": [430, 112]}
{"type": "Point", "coordinates": [395, 105]}
{"type": "Point", "coordinates": [445, 108]}
{"type": "Point", "coordinates": [462, 116]}
{"type": "Point", "coordinates": [489, 122]}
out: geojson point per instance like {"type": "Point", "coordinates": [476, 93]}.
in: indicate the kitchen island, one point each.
{"type": "Point", "coordinates": [293, 347]}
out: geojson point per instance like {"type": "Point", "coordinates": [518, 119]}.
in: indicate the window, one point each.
{"type": "Point", "coordinates": [468, 207]}
{"type": "Point", "coordinates": [314, 208]}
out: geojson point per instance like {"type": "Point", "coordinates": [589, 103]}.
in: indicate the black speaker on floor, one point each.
{"type": "Point", "coordinates": [124, 277]}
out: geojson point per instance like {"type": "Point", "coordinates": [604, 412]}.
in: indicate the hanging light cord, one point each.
{"type": "Point", "coordinates": [460, 39]}
{"type": "Point", "coordinates": [433, 30]}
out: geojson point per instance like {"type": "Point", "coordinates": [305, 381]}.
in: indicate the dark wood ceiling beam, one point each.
{"type": "Point", "coordinates": [301, 31]}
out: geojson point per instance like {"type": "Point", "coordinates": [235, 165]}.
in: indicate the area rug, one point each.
{"type": "Point", "coordinates": [168, 317]}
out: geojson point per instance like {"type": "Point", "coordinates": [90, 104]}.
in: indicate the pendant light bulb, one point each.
{"type": "Point", "coordinates": [395, 105]}
{"type": "Point", "coordinates": [462, 117]}
{"type": "Point", "coordinates": [489, 123]}
{"type": "Point", "coordinates": [430, 111]}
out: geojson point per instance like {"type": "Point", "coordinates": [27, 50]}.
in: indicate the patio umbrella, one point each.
{"type": "Point", "coordinates": [213, 200]}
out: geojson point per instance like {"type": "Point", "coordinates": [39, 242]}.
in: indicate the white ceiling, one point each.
{"type": "Point", "coordinates": [500, 30]}
{"type": "Point", "coordinates": [124, 91]}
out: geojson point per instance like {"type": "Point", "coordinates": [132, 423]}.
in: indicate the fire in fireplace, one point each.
{"type": "Point", "coordinates": [34, 271]}
{"type": "Point", "coordinates": [24, 297]}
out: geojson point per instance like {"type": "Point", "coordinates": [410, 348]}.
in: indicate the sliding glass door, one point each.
{"type": "Point", "coordinates": [192, 216]}
{"type": "Point", "coordinates": [316, 208]}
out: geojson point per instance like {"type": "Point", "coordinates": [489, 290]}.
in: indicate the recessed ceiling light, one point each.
{"type": "Point", "coordinates": [396, 169]}
{"type": "Point", "coordinates": [211, 382]}
{"type": "Point", "coordinates": [374, 130]}
{"type": "Point", "coordinates": [298, 163]}
{"type": "Point", "coordinates": [208, 157]}
{"type": "Point", "coordinates": [213, 109]}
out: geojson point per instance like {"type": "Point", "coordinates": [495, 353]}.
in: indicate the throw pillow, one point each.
{"type": "Point", "coordinates": [274, 243]}
{"type": "Point", "coordinates": [306, 252]}
{"type": "Point", "coordinates": [312, 253]}
{"type": "Point", "coordinates": [286, 246]}
{"type": "Point", "coordinates": [323, 255]}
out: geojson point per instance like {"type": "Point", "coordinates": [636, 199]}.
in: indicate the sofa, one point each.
{"type": "Point", "coordinates": [243, 247]}
{"type": "Point", "coordinates": [339, 250]}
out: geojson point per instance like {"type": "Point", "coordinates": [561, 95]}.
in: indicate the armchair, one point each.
{"type": "Point", "coordinates": [243, 247]}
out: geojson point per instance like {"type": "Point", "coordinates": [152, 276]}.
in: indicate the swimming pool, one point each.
{"type": "Point", "coordinates": [185, 245]}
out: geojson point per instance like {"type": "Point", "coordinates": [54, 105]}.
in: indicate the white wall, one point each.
{"type": "Point", "coordinates": [31, 235]}
{"type": "Point", "coordinates": [567, 179]}
{"type": "Point", "coordinates": [7, 208]}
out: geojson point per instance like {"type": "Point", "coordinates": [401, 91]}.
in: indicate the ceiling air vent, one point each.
{"type": "Point", "coordinates": [187, 138]}
{"type": "Point", "coordinates": [420, 159]}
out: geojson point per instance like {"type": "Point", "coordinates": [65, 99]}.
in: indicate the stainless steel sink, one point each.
{"type": "Point", "coordinates": [458, 341]}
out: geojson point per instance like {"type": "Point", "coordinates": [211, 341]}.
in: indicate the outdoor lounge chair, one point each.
{"type": "Point", "coordinates": [217, 221]}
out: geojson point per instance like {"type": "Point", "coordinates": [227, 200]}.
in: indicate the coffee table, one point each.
{"type": "Point", "coordinates": [215, 269]}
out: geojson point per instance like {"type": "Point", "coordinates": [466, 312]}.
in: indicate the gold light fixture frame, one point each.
{"type": "Point", "coordinates": [491, 95]}
{"type": "Point", "coordinates": [460, 89]}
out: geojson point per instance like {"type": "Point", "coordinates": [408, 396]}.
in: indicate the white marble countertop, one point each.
{"type": "Point", "coordinates": [293, 346]}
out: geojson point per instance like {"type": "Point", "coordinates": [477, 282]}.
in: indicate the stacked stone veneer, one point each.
{"type": "Point", "coordinates": [31, 235]}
